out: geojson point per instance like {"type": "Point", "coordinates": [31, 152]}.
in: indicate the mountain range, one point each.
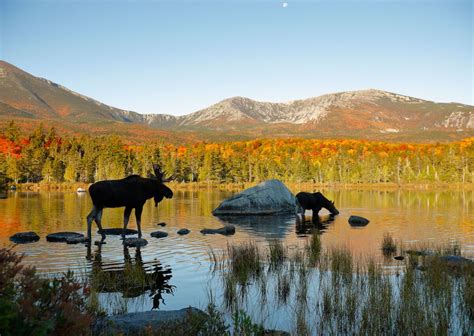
{"type": "Point", "coordinates": [364, 114]}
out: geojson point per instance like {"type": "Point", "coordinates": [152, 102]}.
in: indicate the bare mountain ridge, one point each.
{"type": "Point", "coordinates": [370, 113]}
{"type": "Point", "coordinates": [375, 109]}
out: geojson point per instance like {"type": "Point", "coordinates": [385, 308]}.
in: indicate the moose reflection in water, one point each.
{"type": "Point", "coordinates": [132, 278]}
{"type": "Point", "coordinates": [131, 192]}
{"type": "Point", "coordinates": [315, 202]}
{"type": "Point", "coordinates": [318, 226]}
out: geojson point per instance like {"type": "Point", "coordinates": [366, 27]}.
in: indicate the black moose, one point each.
{"type": "Point", "coordinates": [131, 192]}
{"type": "Point", "coordinates": [315, 201]}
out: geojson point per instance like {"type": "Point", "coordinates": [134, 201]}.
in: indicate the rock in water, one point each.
{"type": "Point", "coordinates": [159, 234]}
{"type": "Point", "coordinates": [135, 242]}
{"type": "Point", "coordinates": [226, 230]}
{"type": "Point", "coordinates": [117, 231]}
{"type": "Point", "coordinates": [183, 232]}
{"type": "Point", "coordinates": [24, 237]}
{"type": "Point", "coordinates": [358, 221]}
{"type": "Point", "coordinates": [63, 236]}
{"type": "Point", "coordinates": [267, 198]}
{"type": "Point", "coordinates": [77, 240]}
{"type": "Point", "coordinates": [151, 322]}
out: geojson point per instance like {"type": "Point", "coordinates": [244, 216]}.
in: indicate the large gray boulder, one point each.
{"type": "Point", "coordinates": [267, 198]}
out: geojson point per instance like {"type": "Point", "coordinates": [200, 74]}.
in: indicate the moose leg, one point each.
{"type": "Point", "coordinates": [138, 216]}
{"type": "Point", "coordinates": [315, 218]}
{"type": "Point", "coordinates": [92, 215]}
{"type": "Point", "coordinates": [126, 217]}
{"type": "Point", "coordinates": [98, 220]}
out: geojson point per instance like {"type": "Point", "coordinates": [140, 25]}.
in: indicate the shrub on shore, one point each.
{"type": "Point", "coordinates": [30, 305]}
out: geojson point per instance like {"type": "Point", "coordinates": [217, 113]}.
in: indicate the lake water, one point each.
{"type": "Point", "coordinates": [412, 217]}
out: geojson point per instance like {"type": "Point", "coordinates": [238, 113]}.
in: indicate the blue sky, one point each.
{"type": "Point", "coordinates": [177, 57]}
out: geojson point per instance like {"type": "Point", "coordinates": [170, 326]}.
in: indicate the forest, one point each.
{"type": "Point", "coordinates": [45, 156]}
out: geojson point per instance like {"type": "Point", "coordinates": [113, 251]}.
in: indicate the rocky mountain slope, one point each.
{"type": "Point", "coordinates": [371, 114]}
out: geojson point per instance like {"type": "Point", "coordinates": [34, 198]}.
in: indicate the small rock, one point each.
{"type": "Point", "coordinates": [76, 240]}
{"type": "Point", "coordinates": [117, 232]}
{"type": "Point", "coordinates": [183, 232]}
{"type": "Point", "coordinates": [63, 236]}
{"type": "Point", "coordinates": [226, 230]}
{"type": "Point", "coordinates": [161, 224]}
{"type": "Point", "coordinates": [135, 242]}
{"type": "Point", "coordinates": [159, 234]}
{"type": "Point", "coordinates": [399, 257]}
{"type": "Point", "coordinates": [358, 221]}
{"type": "Point", "coordinates": [24, 237]}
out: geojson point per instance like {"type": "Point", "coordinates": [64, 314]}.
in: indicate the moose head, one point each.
{"type": "Point", "coordinates": [162, 190]}
{"type": "Point", "coordinates": [131, 192]}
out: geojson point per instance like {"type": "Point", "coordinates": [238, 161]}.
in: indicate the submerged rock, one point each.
{"type": "Point", "coordinates": [358, 221]}
{"type": "Point", "coordinates": [182, 232]}
{"type": "Point", "coordinates": [117, 231]}
{"type": "Point", "coordinates": [62, 237]}
{"type": "Point", "coordinates": [179, 322]}
{"type": "Point", "coordinates": [455, 259]}
{"type": "Point", "coordinates": [161, 224]}
{"type": "Point", "coordinates": [420, 253]}
{"type": "Point", "coordinates": [271, 332]}
{"type": "Point", "coordinates": [226, 230]}
{"type": "Point", "coordinates": [24, 237]}
{"type": "Point", "coordinates": [159, 234]}
{"type": "Point", "coordinates": [267, 198]}
{"type": "Point", "coordinates": [135, 242]}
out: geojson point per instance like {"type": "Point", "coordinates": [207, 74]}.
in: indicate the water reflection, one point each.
{"type": "Point", "coordinates": [316, 225]}
{"type": "Point", "coordinates": [132, 278]}
{"type": "Point", "coordinates": [270, 227]}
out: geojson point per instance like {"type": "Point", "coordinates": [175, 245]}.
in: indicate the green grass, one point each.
{"type": "Point", "coordinates": [329, 291]}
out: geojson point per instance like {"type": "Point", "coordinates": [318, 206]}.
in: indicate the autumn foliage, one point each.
{"type": "Point", "coordinates": [46, 156]}
{"type": "Point", "coordinates": [30, 305]}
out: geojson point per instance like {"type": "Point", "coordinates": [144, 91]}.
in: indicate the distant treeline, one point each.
{"type": "Point", "coordinates": [46, 156]}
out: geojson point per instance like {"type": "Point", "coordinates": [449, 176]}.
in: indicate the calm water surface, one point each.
{"type": "Point", "coordinates": [412, 217]}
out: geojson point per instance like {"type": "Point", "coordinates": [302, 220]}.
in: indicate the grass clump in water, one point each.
{"type": "Point", "coordinates": [313, 249]}
{"type": "Point", "coordinates": [244, 262]}
{"type": "Point", "coordinates": [339, 294]}
{"type": "Point", "coordinates": [276, 254]}
{"type": "Point", "coordinates": [388, 245]}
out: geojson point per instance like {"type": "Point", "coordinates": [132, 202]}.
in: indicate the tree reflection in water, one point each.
{"type": "Point", "coordinates": [132, 278]}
